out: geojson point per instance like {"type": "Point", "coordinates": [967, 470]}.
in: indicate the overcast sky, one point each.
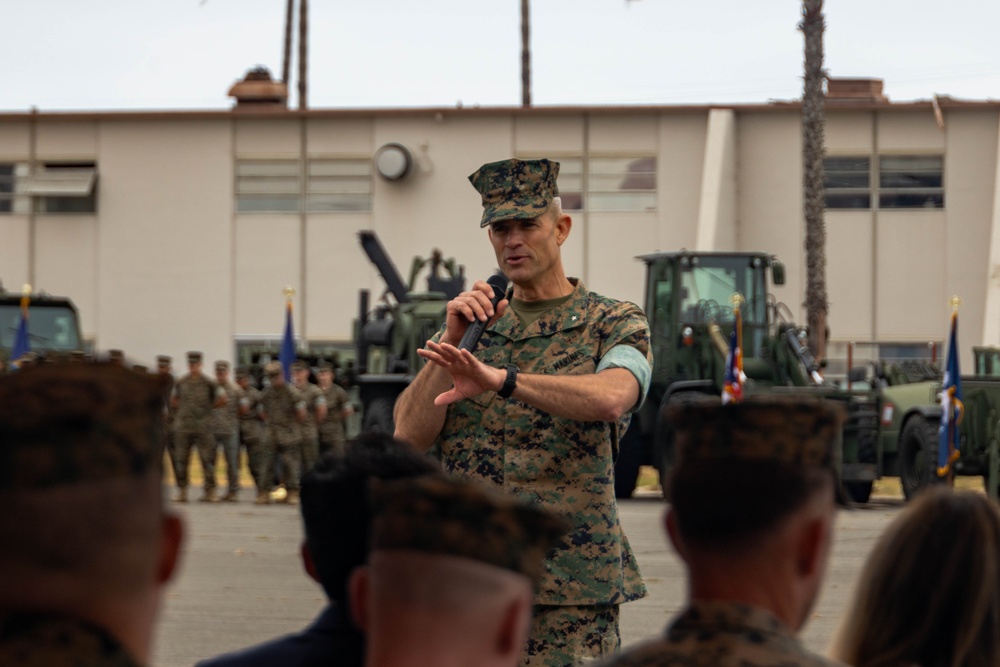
{"type": "Point", "coordinates": [185, 54]}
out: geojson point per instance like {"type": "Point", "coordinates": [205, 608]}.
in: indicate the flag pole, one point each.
{"type": "Point", "coordinates": [955, 302]}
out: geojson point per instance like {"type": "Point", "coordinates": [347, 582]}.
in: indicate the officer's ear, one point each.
{"type": "Point", "coordinates": [308, 563]}
{"type": "Point", "coordinates": [171, 539]}
{"type": "Point", "coordinates": [675, 534]}
{"type": "Point", "coordinates": [358, 587]}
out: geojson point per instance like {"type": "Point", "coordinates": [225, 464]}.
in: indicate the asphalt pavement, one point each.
{"type": "Point", "coordinates": [241, 580]}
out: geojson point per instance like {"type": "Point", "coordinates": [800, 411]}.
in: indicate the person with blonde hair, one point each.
{"type": "Point", "coordinates": [929, 593]}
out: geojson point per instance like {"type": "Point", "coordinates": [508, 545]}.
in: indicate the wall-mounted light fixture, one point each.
{"type": "Point", "coordinates": [393, 161]}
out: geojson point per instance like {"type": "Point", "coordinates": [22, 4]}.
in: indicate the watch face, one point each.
{"type": "Point", "coordinates": [393, 161]}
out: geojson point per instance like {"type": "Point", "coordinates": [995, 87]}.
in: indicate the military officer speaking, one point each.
{"type": "Point", "coordinates": [540, 407]}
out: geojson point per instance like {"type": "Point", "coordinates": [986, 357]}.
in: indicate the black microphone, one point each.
{"type": "Point", "coordinates": [476, 328]}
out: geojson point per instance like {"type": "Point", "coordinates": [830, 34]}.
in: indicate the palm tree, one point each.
{"type": "Point", "coordinates": [813, 120]}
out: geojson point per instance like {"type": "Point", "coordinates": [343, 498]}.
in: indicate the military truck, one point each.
{"type": "Point", "coordinates": [911, 415]}
{"type": "Point", "coordinates": [690, 317]}
{"type": "Point", "coordinates": [53, 323]}
{"type": "Point", "coordinates": [387, 337]}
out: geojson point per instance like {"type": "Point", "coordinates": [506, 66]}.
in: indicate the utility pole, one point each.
{"type": "Point", "coordinates": [525, 54]}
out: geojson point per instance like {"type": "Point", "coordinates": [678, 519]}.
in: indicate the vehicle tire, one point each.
{"type": "Point", "coordinates": [378, 417]}
{"type": "Point", "coordinates": [917, 463]}
{"type": "Point", "coordinates": [859, 492]}
{"type": "Point", "coordinates": [629, 459]}
{"type": "Point", "coordinates": [664, 452]}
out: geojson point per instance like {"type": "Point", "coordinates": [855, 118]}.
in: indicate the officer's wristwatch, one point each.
{"type": "Point", "coordinates": [510, 383]}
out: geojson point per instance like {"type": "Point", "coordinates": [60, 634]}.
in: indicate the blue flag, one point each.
{"type": "Point", "coordinates": [22, 344]}
{"type": "Point", "coordinates": [287, 354]}
{"type": "Point", "coordinates": [952, 409]}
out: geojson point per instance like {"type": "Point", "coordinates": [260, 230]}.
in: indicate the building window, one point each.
{"type": "Point", "coordinates": [332, 185]}
{"type": "Point", "coordinates": [621, 184]}
{"type": "Point", "coordinates": [613, 183]}
{"type": "Point", "coordinates": [339, 185]}
{"type": "Point", "coordinates": [7, 183]}
{"type": "Point", "coordinates": [911, 181]}
{"type": "Point", "coordinates": [904, 181]}
{"type": "Point", "coordinates": [847, 182]}
{"type": "Point", "coordinates": [64, 187]}
{"type": "Point", "coordinates": [55, 187]}
{"type": "Point", "coordinates": [270, 186]}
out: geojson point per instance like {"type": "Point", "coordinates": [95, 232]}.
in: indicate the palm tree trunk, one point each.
{"type": "Point", "coordinates": [813, 121]}
{"type": "Point", "coordinates": [525, 54]}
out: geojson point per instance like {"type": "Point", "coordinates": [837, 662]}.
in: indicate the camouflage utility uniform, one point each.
{"type": "Point", "coordinates": [725, 635]}
{"type": "Point", "coordinates": [251, 434]}
{"type": "Point", "coordinates": [564, 465]}
{"type": "Point", "coordinates": [282, 433]}
{"type": "Point", "coordinates": [308, 432]}
{"type": "Point", "coordinates": [49, 640]}
{"type": "Point", "coordinates": [196, 396]}
{"type": "Point", "coordinates": [331, 431]}
{"type": "Point", "coordinates": [224, 427]}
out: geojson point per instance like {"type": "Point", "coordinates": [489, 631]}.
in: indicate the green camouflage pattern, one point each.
{"type": "Point", "coordinates": [45, 640]}
{"type": "Point", "coordinates": [225, 418]}
{"type": "Point", "coordinates": [281, 434]}
{"type": "Point", "coordinates": [448, 516]}
{"type": "Point", "coordinates": [564, 465]}
{"type": "Point", "coordinates": [65, 424]}
{"type": "Point", "coordinates": [515, 189]}
{"type": "Point", "coordinates": [309, 428]}
{"type": "Point", "coordinates": [252, 432]}
{"type": "Point", "coordinates": [722, 635]}
{"type": "Point", "coordinates": [571, 635]}
{"type": "Point", "coordinates": [195, 394]}
{"type": "Point", "coordinates": [332, 436]}
{"type": "Point", "coordinates": [794, 431]}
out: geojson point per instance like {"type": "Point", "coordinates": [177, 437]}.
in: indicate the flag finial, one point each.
{"type": "Point", "coordinates": [955, 301]}
{"type": "Point", "coordinates": [289, 292]}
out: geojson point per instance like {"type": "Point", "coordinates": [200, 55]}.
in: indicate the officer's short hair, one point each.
{"type": "Point", "coordinates": [742, 468]}
{"type": "Point", "coordinates": [335, 507]}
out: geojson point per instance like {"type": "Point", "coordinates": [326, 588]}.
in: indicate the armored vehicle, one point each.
{"type": "Point", "coordinates": [690, 317]}
{"type": "Point", "coordinates": [53, 323]}
{"type": "Point", "coordinates": [387, 337]}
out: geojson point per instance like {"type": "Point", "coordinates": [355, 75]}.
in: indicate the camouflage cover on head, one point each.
{"type": "Point", "coordinates": [273, 368]}
{"type": "Point", "coordinates": [242, 372]}
{"type": "Point", "coordinates": [299, 365]}
{"type": "Point", "coordinates": [73, 423]}
{"type": "Point", "coordinates": [797, 432]}
{"type": "Point", "coordinates": [163, 361]}
{"type": "Point", "coordinates": [515, 189]}
{"type": "Point", "coordinates": [116, 355]}
{"type": "Point", "coordinates": [194, 357]}
{"type": "Point", "coordinates": [447, 516]}
{"type": "Point", "coordinates": [222, 365]}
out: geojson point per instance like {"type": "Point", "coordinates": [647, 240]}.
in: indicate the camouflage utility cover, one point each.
{"type": "Point", "coordinates": [439, 515]}
{"type": "Point", "coordinates": [564, 465]}
{"type": "Point", "coordinates": [515, 189]}
{"type": "Point", "coordinates": [723, 635]}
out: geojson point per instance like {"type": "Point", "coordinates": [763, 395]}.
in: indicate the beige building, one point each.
{"type": "Point", "coordinates": [179, 230]}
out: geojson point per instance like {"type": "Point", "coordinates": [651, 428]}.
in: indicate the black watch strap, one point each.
{"type": "Point", "coordinates": [510, 383]}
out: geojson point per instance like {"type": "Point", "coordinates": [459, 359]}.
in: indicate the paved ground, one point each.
{"type": "Point", "coordinates": [242, 582]}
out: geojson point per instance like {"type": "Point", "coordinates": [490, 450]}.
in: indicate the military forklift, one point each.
{"type": "Point", "coordinates": [53, 323]}
{"type": "Point", "coordinates": [690, 311]}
